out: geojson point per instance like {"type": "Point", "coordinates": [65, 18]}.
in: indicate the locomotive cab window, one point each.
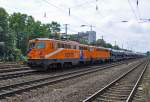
{"type": "Point", "coordinates": [80, 47]}
{"type": "Point", "coordinates": [90, 49]}
{"type": "Point", "coordinates": [74, 47]}
{"type": "Point", "coordinates": [32, 45]}
{"type": "Point", "coordinates": [40, 45]}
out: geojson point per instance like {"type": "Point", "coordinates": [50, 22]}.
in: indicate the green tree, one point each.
{"type": "Point", "coordinates": [3, 24]}
{"type": "Point", "coordinates": [3, 30]}
{"type": "Point", "coordinates": [54, 28]}
{"type": "Point", "coordinates": [101, 42]}
{"type": "Point", "coordinates": [7, 36]}
{"type": "Point", "coordinates": [38, 30]}
{"type": "Point", "coordinates": [82, 41]}
{"type": "Point", "coordinates": [73, 37]}
{"type": "Point", "coordinates": [116, 47]}
{"type": "Point", "coordinates": [108, 45]}
{"type": "Point", "coordinates": [93, 43]}
{"type": "Point", "coordinates": [18, 23]}
{"type": "Point", "coordinates": [26, 28]}
{"type": "Point", "coordinates": [17, 29]}
{"type": "Point", "coordinates": [148, 53]}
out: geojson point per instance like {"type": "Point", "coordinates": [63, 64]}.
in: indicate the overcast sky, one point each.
{"type": "Point", "coordinates": [107, 19]}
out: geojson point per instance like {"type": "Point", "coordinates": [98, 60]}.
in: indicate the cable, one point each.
{"type": "Point", "coordinates": [82, 4]}
{"type": "Point", "coordinates": [50, 4]}
{"type": "Point", "coordinates": [138, 9]}
{"type": "Point", "coordinates": [64, 11]}
{"type": "Point", "coordinates": [100, 29]}
{"type": "Point", "coordinates": [132, 10]}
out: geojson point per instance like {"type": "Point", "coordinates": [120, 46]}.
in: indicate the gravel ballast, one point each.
{"type": "Point", "coordinates": [72, 90]}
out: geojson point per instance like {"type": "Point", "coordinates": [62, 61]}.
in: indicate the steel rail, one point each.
{"type": "Point", "coordinates": [13, 69]}
{"type": "Point", "coordinates": [60, 75]}
{"type": "Point", "coordinates": [11, 66]}
{"type": "Point", "coordinates": [60, 78]}
{"type": "Point", "coordinates": [93, 96]}
{"type": "Point", "coordinates": [16, 74]}
{"type": "Point", "coordinates": [11, 75]}
{"type": "Point", "coordinates": [129, 99]}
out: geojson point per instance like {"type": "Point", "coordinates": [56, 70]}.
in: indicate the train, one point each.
{"type": "Point", "coordinates": [45, 53]}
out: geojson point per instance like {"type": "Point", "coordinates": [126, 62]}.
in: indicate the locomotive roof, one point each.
{"type": "Point", "coordinates": [41, 39]}
{"type": "Point", "coordinates": [103, 48]}
{"type": "Point", "coordinates": [45, 39]}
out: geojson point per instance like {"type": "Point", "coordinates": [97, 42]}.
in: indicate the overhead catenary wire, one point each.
{"type": "Point", "coordinates": [65, 11]}
{"type": "Point", "coordinates": [82, 4]}
{"type": "Point", "coordinates": [138, 9]}
{"type": "Point", "coordinates": [76, 17]}
{"type": "Point", "coordinates": [142, 20]}
{"type": "Point", "coordinates": [133, 11]}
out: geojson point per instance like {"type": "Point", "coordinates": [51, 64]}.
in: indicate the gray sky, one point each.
{"type": "Point", "coordinates": [133, 34]}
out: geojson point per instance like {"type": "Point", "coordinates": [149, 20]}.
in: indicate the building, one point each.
{"type": "Point", "coordinates": [89, 36]}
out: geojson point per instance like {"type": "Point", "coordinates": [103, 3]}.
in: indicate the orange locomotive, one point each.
{"type": "Point", "coordinates": [47, 53]}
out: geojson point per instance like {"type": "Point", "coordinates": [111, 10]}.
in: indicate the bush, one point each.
{"type": "Point", "coordinates": [17, 54]}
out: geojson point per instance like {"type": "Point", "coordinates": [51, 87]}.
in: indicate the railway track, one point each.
{"type": "Point", "coordinates": [19, 72]}
{"type": "Point", "coordinates": [12, 89]}
{"type": "Point", "coordinates": [3, 66]}
{"type": "Point", "coordinates": [121, 89]}
{"type": "Point", "coordinates": [10, 75]}
{"type": "Point", "coordinates": [13, 69]}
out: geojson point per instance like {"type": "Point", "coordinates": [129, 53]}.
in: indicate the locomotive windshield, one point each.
{"type": "Point", "coordinates": [38, 45]}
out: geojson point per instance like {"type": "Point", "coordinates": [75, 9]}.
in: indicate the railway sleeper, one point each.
{"type": "Point", "coordinates": [112, 98]}
{"type": "Point", "coordinates": [115, 95]}
{"type": "Point", "coordinates": [104, 100]}
{"type": "Point", "coordinates": [120, 90]}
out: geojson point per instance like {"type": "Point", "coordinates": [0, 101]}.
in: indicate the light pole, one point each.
{"type": "Point", "coordinates": [66, 30]}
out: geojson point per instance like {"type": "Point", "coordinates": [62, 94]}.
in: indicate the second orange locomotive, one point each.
{"type": "Point", "coordinates": [46, 53]}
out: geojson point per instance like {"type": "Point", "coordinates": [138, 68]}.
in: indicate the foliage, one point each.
{"type": "Point", "coordinates": [108, 45]}
{"type": "Point", "coordinates": [101, 42]}
{"type": "Point", "coordinates": [82, 41]}
{"type": "Point", "coordinates": [116, 47]}
{"type": "Point", "coordinates": [6, 36]}
{"type": "Point", "coordinates": [73, 37]}
{"type": "Point", "coordinates": [148, 53]}
{"type": "Point", "coordinates": [17, 29]}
